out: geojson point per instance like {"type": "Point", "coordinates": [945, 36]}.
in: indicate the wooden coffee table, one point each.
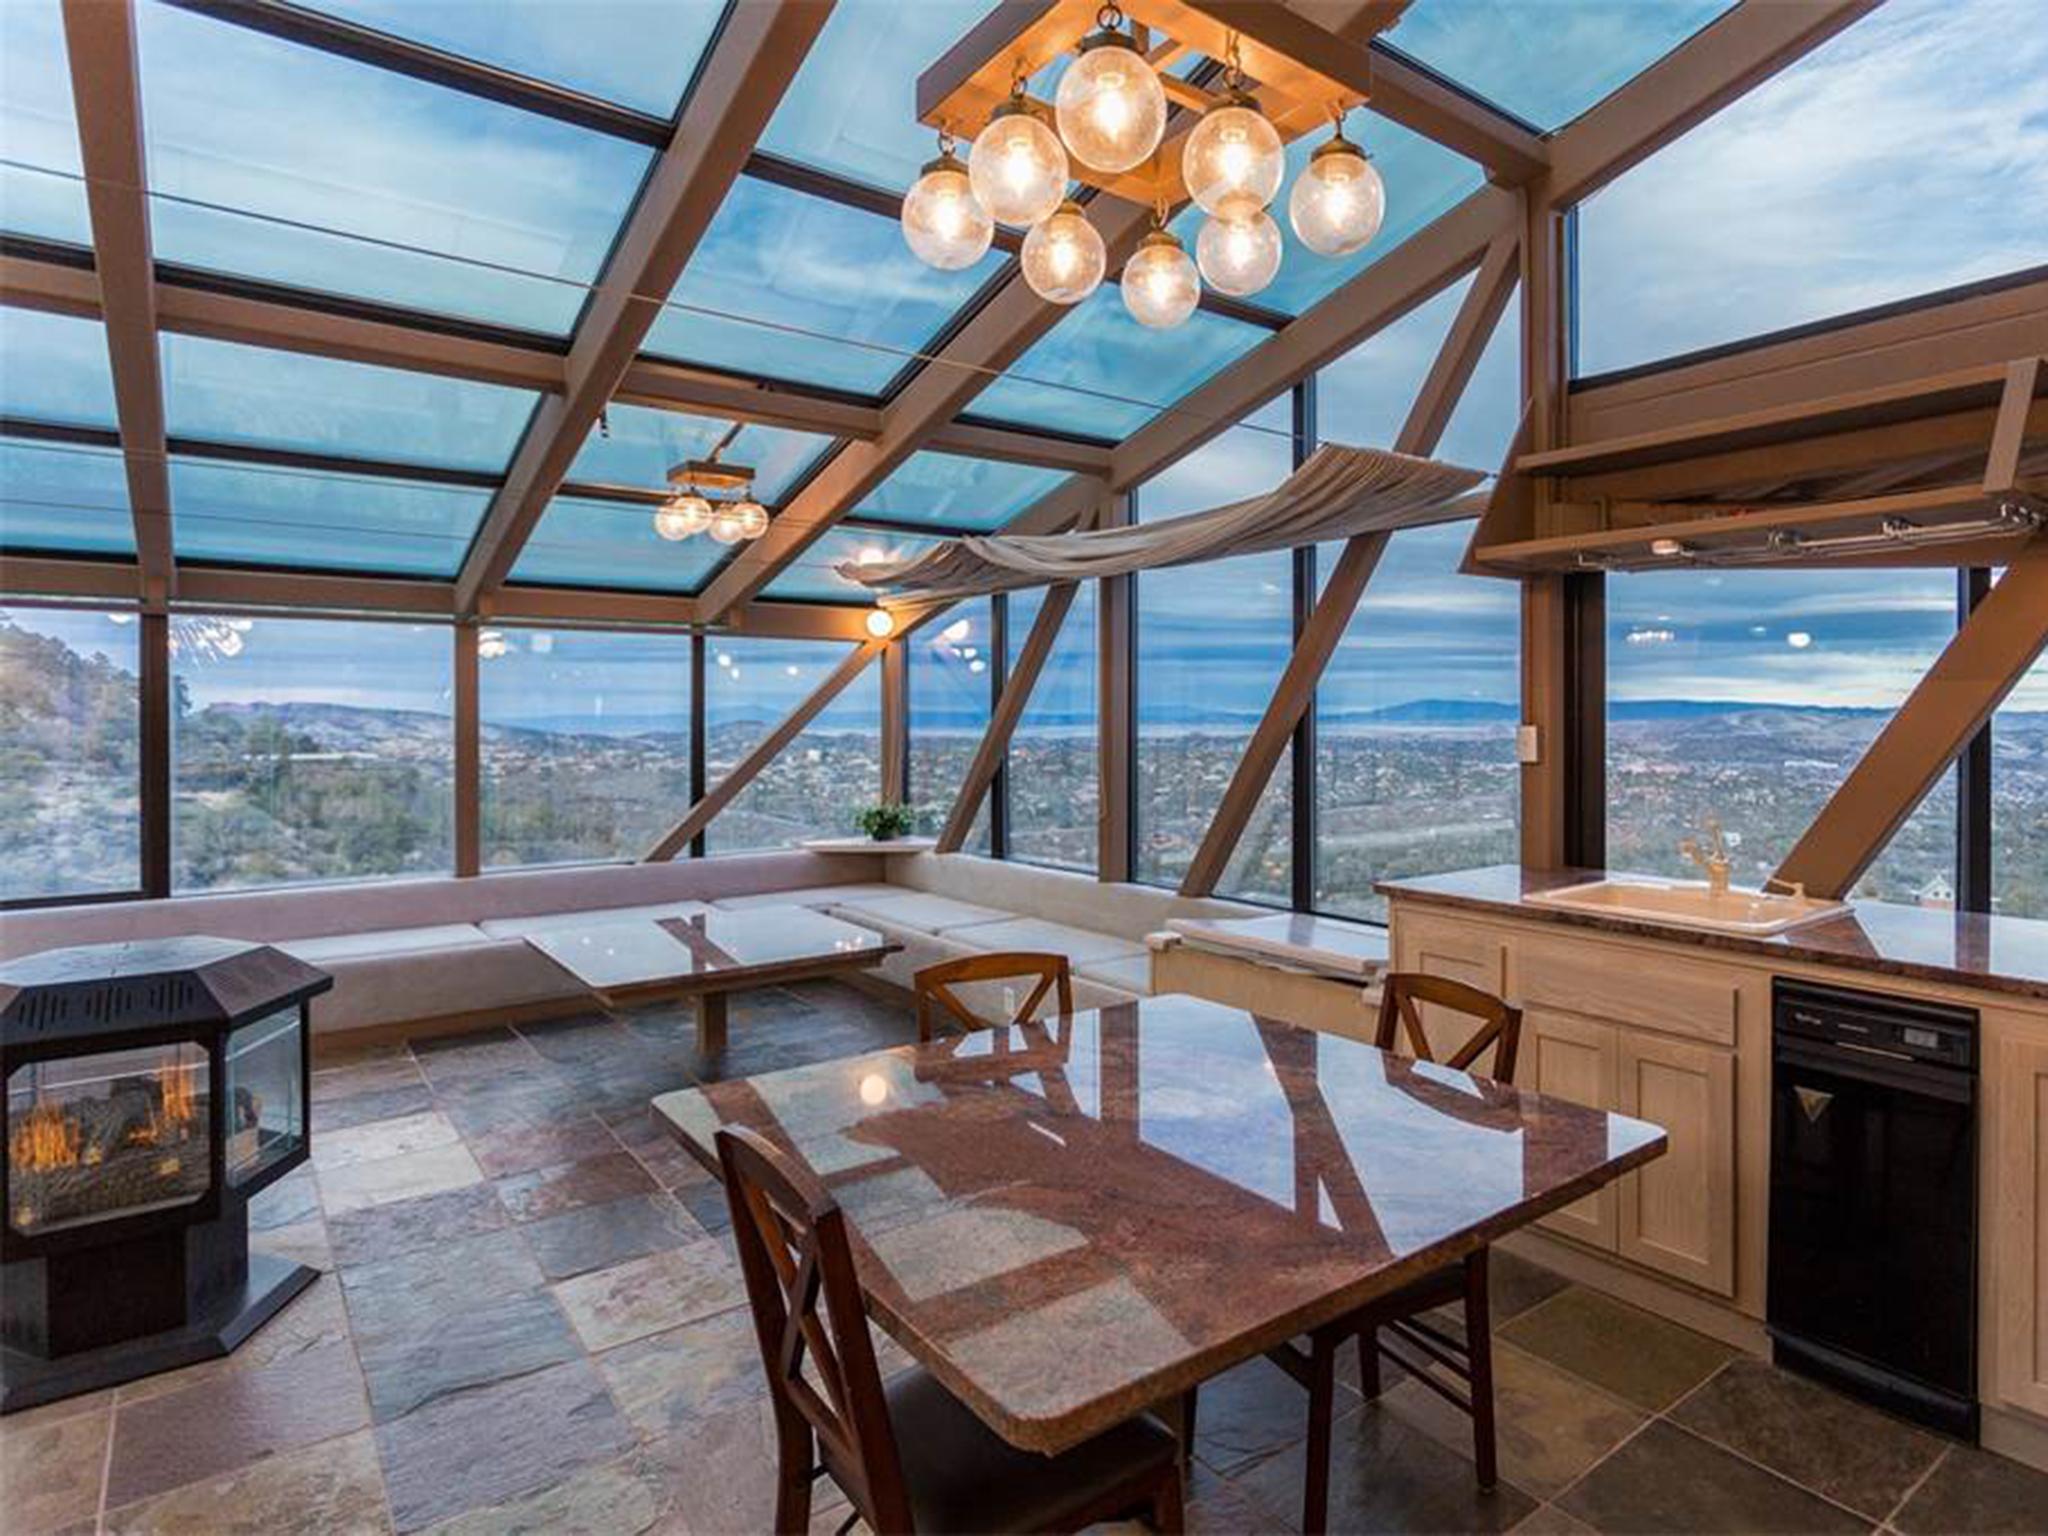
{"type": "Point", "coordinates": [635, 960]}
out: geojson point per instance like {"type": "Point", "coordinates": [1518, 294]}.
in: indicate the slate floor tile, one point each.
{"type": "Point", "coordinates": [1668, 1480]}
{"type": "Point", "coordinates": [522, 1147]}
{"type": "Point", "coordinates": [430, 1172]}
{"type": "Point", "coordinates": [472, 1450]}
{"type": "Point", "coordinates": [688, 1374]}
{"type": "Point", "coordinates": [1853, 1454]}
{"type": "Point", "coordinates": [338, 1114]}
{"type": "Point", "coordinates": [1975, 1493]}
{"type": "Point", "coordinates": [1248, 1413]}
{"type": "Point", "coordinates": [598, 1236]}
{"type": "Point", "coordinates": [50, 1469]}
{"type": "Point", "coordinates": [564, 1186]}
{"type": "Point", "coordinates": [387, 1073]}
{"type": "Point", "coordinates": [333, 1487]}
{"type": "Point", "coordinates": [1626, 1351]}
{"type": "Point", "coordinates": [648, 1295]}
{"type": "Point", "coordinates": [378, 1232]}
{"type": "Point", "coordinates": [375, 1139]}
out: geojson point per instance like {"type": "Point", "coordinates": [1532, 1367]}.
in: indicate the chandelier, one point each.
{"type": "Point", "coordinates": [689, 512]}
{"type": "Point", "coordinates": [1107, 124]}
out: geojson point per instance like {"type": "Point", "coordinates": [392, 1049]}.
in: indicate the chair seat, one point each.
{"type": "Point", "coordinates": [962, 1476]}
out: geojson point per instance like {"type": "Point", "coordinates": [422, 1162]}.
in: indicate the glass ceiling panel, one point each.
{"type": "Point", "coordinates": [262, 126]}
{"type": "Point", "coordinates": [1546, 63]}
{"type": "Point", "coordinates": [63, 497]}
{"type": "Point", "coordinates": [638, 53]}
{"type": "Point", "coordinates": [584, 542]}
{"type": "Point", "coordinates": [249, 514]}
{"type": "Point", "coordinates": [1423, 180]}
{"type": "Point", "coordinates": [645, 442]}
{"type": "Point", "coordinates": [954, 492]}
{"type": "Point", "coordinates": [39, 127]}
{"type": "Point", "coordinates": [810, 576]}
{"type": "Point", "coordinates": [1100, 372]}
{"type": "Point", "coordinates": [775, 258]}
{"type": "Point", "coordinates": [55, 368]}
{"type": "Point", "coordinates": [225, 392]}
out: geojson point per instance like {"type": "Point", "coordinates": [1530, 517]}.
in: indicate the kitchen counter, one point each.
{"type": "Point", "coordinates": [1967, 949]}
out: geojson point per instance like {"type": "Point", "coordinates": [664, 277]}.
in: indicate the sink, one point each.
{"type": "Point", "coordinates": [1689, 904]}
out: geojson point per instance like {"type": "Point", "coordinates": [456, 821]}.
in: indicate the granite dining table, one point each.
{"type": "Point", "coordinates": [1072, 1222]}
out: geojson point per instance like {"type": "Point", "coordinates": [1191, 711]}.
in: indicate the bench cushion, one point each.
{"type": "Point", "coordinates": [818, 897]}
{"type": "Point", "coordinates": [520, 927]}
{"type": "Point", "coordinates": [1081, 946]}
{"type": "Point", "coordinates": [1133, 974]}
{"type": "Point", "coordinates": [386, 941]}
{"type": "Point", "coordinates": [924, 912]}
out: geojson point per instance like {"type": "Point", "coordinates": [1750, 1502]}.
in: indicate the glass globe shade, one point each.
{"type": "Point", "coordinates": [881, 623]}
{"type": "Point", "coordinates": [1064, 257]}
{"type": "Point", "coordinates": [1338, 200]}
{"type": "Point", "coordinates": [727, 525]}
{"type": "Point", "coordinates": [1017, 167]}
{"type": "Point", "coordinates": [1160, 283]}
{"type": "Point", "coordinates": [753, 518]}
{"type": "Point", "coordinates": [682, 516]}
{"type": "Point", "coordinates": [1233, 161]}
{"type": "Point", "coordinates": [1110, 107]}
{"type": "Point", "coordinates": [1239, 256]}
{"type": "Point", "coordinates": [944, 224]}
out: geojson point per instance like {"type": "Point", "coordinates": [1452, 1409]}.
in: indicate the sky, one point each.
{"type": "Point", "coordinates": [1860, 175]}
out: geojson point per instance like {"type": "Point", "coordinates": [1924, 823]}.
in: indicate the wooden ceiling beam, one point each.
{"type": "Point", "coordinates": [758, 51]}
{"type": "Point", "coordinates": [99, 37]}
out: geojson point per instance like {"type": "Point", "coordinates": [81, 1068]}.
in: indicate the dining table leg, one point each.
{"type": "Point", "coordinates": [1322, 1392]}
{"type": "Point", "coordinates": [710, 1023]}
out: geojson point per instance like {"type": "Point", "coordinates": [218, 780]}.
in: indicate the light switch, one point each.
{"type": "Point", "coordinates": [1528, 744]}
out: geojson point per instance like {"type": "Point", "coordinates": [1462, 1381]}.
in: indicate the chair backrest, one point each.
{"type": "Point", "coordinates": [1500, 1024]}
{"type": "Point", "coordinates": [807, 1307]}
{"type": "Point", "coordinates": [935, 983]}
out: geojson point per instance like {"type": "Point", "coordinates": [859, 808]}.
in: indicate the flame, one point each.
{"type": "Point", "coordinates": [46, 1137]}
{"type": "Point", "coordinates": [168, 1121]}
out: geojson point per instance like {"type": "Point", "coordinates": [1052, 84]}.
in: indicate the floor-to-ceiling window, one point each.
{"type": "Point", "coordinates": [585, 749]}
{"type": "Point", "coordinates": [309, 749]}
{"type": "Point", "coordinates": [2019, 799]}
{"type": "Point", "coordinates": [951, 674]}
{"type": "Point", "coordinates": [820, 782]}
{"type": "Point", "coordinates": [1749, 695]}
{"type": "Point", "coordinates": [1053, 784]}
{"type": "Point", "coordinates": [1212, 640]}
{"type": "Point", "coordinates": [70, 786]}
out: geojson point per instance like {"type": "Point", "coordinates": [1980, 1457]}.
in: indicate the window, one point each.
{"type": "Point", "coordinates": [309, 749]}
{"type": "Point", "coordinates": [438, 200]}
{"type": "Point", "coordinates": [1054, 786]}
{"type": "Point", "coordinates": [822, 780]}
{"type": "Point", "coordinates": [1212, 642]}
{"type": "Point", "coordinates": [955, 492]}
{"type": "Point", "coordinates": [1896, 159]}
{"type": "Point", "coordinates": [70, 742]}
{"type": "Point", "coordinates": [56, 368]}
{"type": "Point", "coordinates": [813, 576]}
{"type": "Point", "coordinates": [64, 497]}
{"type": "Point", "coordinates": [582, 541]}
{"type": "Point", "coordinates": [2019, 799]}
{"type": "Point", "coordinates": [638, 446]}
{"type": "Point", "coordinates": [1749, 695]}
{"type": "Point", "coordinates": [42, 190]}
{"type": "Point", "coordinates": [585, 747]}
{"type": "Point", "coordinates": [1415, 725]}
{"type": "Point", "coordinates": [951, 694]}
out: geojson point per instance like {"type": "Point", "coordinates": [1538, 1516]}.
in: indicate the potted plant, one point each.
{"type": "Point", "coordinates": [884, 822]}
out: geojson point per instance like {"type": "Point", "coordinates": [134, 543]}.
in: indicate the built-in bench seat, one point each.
{"type": "Point", "coordinates": [1321, 971]}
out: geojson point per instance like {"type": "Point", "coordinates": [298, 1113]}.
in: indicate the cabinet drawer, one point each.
{"type": "Point", "coordinates": [1633, 986]}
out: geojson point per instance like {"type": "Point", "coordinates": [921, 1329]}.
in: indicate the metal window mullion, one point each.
{"type": "Point", "coordinates": [1302, 867]}
{"type": "Point", "coordinates": [1974, 853]}
{"type": "Point", "coordinates": [153, 754]}
{"type": "Point", "coordinates": [699, 775]}
{"type": "Point", "coordinates": [998, 676]}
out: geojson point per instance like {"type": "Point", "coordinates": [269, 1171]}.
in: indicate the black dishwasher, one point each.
{"type": "Point", "coordinates": [1873, 1257]}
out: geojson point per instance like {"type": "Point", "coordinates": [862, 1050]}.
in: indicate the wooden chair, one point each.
{"type": "Point", "coordinates": [1399, 1315]}
{"type": "Point", "coordinates": [908, 1455]}
{"type": "Point", "coordinates": [935, 983]}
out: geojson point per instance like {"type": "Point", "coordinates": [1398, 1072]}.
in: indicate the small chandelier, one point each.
{"type": "Point", "coordinates": [689, 512]}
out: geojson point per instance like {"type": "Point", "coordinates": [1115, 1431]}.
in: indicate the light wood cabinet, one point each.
{"type": "Point", "coordinates": [1677, 1214]}
{"type": "Point", "coordinates": [1459, 952]}
{"type": "Point", "coordinates": [1573, 1059]}
{"type": "Point", "coordinates": [2016, 1210]}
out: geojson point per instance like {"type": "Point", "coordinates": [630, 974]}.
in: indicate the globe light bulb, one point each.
{"type": "Point", "coordinates": [1233, 161]}
{"type": "Point", "coordinates": [1110, 107]}
{"type": "Point", "coordinates": [1064, 257]}
{"type": "Point", "coordinates": [1161, 286]}
{"type": "Point", "coordinates": [1338, 200]}
{"type": "Point", "coordinates": [491, 644]}
{"type": "Point", "coordinates": [943, 223]}
{"type": "Point", "coordinates": [1017, 167]}
{"type": "Point", "coordinates": [681, 517]}
{"type": "Point", "coordinates": [727, 524]}
{"type": "Point", "coordinates": [881, 623]}
{"type": "Point", "coordinates": [1239, 256]}
{"type": "Point", "coordinates": [753, 518]}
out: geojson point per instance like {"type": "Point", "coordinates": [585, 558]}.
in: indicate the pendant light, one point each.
{"type": "Point", "coordinates": [1233, 160]}
{"type": "Point", "coordinates": [1161, 286]}
{"type": "Point", "coordinates": [1017, 167]}
{"type": "Point", "coordinates": [1110, 106]}
{"type": "Point", "coordinates": [682, 517]}
{"type": "Point", "coordinates": [1064, 258]}
{"type": "Point", "coordinates": [1239, 256]}
{"type": "Point", "coordinates": [943, 221]}
{"type": "Point", "coordinates": [1338, 200]}
{"type": "Point", "coordinates": [753, 518]}
{"type": "Point", "coordinates": [727, 526]}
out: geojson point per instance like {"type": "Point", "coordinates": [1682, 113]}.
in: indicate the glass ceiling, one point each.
{"type": "Point", "coordinates": [949, 491]}
{"type": "Point", "coordinates": [54, 368]}
{"type": "Point", "coordinates": [638, 53]}
{"type": "Point", "coordinates": [810, 577]}
{"type": "Point", "coordinates": [643, 443]}
{"type": "Point", "coordinates": [342, 149]}
{"type": "Point", "coordinates": [64, 498]}
{"type": "Point", "coordinates": [584, 542]}
{"type": "Point", "coordinates": [38, 126]}
{"type": "Point", "coordinates": [223, 392]}
{"type": "Point", "coordinates": [257, 514]}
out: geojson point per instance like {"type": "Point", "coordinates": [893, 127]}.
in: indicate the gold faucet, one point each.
{"type": "Point", "coordinates": [1711, 855]}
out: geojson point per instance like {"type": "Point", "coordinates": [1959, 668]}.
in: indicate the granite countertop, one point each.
{"type": "Point", "coordinates": [1969, 949]}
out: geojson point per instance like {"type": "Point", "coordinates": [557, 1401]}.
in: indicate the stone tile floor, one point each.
{"type": "Point", "coordinates": [529, 1320]}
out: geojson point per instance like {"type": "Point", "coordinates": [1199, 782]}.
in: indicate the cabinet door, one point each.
{"type": "Point", "coordinates": [2017, 1212]}
{"type": "Point", "coordinates": [1677, 1214]}
{"type": "Point", "coordinates": [1459, 952]}
{"type": "Point", "coordinates": [1573, 1059]}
